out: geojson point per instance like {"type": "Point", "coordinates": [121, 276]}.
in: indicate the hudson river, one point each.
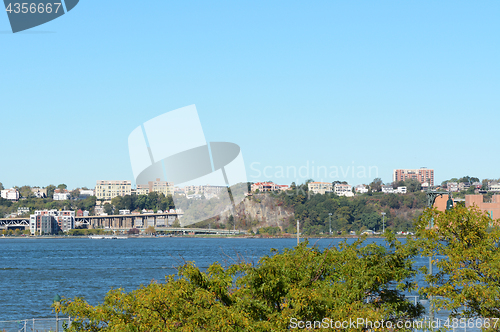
{"type": "Point", "coordinates": [33, 271]}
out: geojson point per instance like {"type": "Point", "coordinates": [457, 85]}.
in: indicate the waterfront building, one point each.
{"type": "Point", "coordinates": [422, 175]}
{"type": "Point", "coordinates": [320, 187]}
{"type": "Point", "coordinates": [45, 222]}
{"type": "Point", "coordinates": [11, 194]}
{"type": "Point", "coordinates": [107, 190]}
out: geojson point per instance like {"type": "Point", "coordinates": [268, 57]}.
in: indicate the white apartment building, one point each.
{"type": "Point", "coordinates": [341, 189]}
{"type": "Point", "coordinates": [10, 194]}
{"type": "Point", "coordinates": [320, 187]}
{"type": "Point", "coordinates": [107, 190]}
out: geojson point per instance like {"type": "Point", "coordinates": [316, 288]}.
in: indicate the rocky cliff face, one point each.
{"type": "Point", "coordinates": [260, 211]}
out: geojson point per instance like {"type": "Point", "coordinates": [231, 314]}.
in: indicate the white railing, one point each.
{"type": "Point", "coordinates": [35, 324]}
{"type": "Point", "coordinates": [441, 320]}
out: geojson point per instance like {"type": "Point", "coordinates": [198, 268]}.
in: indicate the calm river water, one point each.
{"type": "Point", "coordinates": [33, 271]}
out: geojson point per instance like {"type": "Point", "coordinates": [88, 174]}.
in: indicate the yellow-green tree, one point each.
{"type": "Point", "coordinates": [150, 230]}
{"type": "Point", "coordinates": [299, 284]}
{"type": "Point", "coordinates": [464, 244]}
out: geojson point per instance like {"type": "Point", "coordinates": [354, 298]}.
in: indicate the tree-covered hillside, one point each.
{"type": "Point", "coordinates": [353, 213]}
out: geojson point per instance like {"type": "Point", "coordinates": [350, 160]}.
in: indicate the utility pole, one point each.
{"type": "Point", "coordinates": [330, 217]}
{"type": "Point", "coordinates": [431, 198]}
{"type": "Point", "coordinates": [298, 241]}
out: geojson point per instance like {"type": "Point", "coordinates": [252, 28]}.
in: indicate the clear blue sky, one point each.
{"type": "Point", "coordinates": [389, 84]}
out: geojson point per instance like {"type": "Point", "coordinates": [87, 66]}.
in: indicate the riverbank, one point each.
{"type": "Point", "coordinates": [208, 236]}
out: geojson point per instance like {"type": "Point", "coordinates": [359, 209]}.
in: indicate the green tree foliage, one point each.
{"type": "Point", "coordinates": [1, 186]}
{"type": "Point", "coordinates": [34, 203]}
{"type": "Point", "coordinates": [86, 204]}
{"type": "Point", "coordinates": [75, 193]}
{"type": "Point", "coordinates": [353, 213]}
{"type": "Point", "coordinates": [108, 208]}
{"type": "Point", "coordinates": [469, 271]}
{"type": "Point", "coordinates": [376, 184]}
{"type": "Point", "coordinates": [25, 191]}
{"type": "Point", "coordinates": [86, 232]}
{"type": "Point", "coordinates": [269, 230]}
{"type": "Point", "coordinates": [341, 283]}
{"type": "Point", "coordinates": [412, 185]}
{"type": "Point", "coordinates": [230, 222]}
{"type": "Point", "coordinates": [62, 186]}
{"type": "Point", "coordinates": [152, 201]}
{"type": "Point", "coordinates": [50, 190]}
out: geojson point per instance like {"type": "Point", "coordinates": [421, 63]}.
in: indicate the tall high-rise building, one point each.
{"type": "Point", "coordinates": [422, 175]}
{"type": "Point", "coordinates": [109, 189]}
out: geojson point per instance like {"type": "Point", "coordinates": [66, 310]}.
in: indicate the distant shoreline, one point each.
{"type": "Point", "coordinates": [201, 236]}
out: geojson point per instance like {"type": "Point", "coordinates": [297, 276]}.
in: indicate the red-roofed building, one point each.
{"type": "Point", "coordinates": [268, 186]}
